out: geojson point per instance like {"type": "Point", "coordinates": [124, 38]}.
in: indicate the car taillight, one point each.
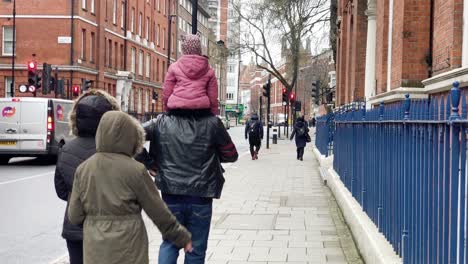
{"type": "Point", "coordinates": [15, 100]}
{"type": "Point", "coordinates": [50, 128]}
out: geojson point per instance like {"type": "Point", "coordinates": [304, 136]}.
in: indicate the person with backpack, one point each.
{"type": "Point", "coordinates": [254, 132]}
{"type": "Point", "coordinates": [301, 133]}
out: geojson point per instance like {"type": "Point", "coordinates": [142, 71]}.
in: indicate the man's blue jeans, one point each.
{"type": "Point", "coordinates": [197, 219]}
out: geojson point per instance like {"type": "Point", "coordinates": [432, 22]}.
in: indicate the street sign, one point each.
{"type": "Point", "coordinates": [64, 40]}
{"type": "Point", "coordinates": [23, 88]}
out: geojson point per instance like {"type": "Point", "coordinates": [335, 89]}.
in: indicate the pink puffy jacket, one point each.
{"type": "Point", "coordinates": [191, 84]}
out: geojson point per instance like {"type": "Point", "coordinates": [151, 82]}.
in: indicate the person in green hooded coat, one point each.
{"type": "Point", "coordinates": [110, 190]}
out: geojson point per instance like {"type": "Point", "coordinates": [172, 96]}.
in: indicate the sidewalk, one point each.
{"type": "Point", "coordinates": [274, 210]}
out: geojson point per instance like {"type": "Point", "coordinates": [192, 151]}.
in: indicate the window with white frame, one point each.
{"type": "Point", "coordinates": [92, 47]}
{"type": "Point", "coordinates": [164, 39]}
{"type": "Point", "coordinates": [230, 96]}
{"type": "Point", "coordinates": [158, 35]}
{"type": "Point", "coordinates": [140, 101]}
{"type": "Point", "coordinates": [147, 28]}
{"type": "Point", "coordinates": [158, 3]}
{"type": "Point", "coordinates": [7, 86]}
{"type": "Point", "coordinates": [147, 102]}
{"type": "Point", "coordinates": [164, 6]}
{"type": "Point", "coordinates": [131, 102]}
{"type": "Point", "coordinates": [92, 6]}
{"type": "Point", "coordinates": [114, 12]}
{"type": "Point", "coordinates": [122, 14]}
{"type": "Point", "coordinates": [140, 63]}
{"type": "Point", "coordinates": [133, 60]}
{"type": "Point", "coordinates": [7, 46]}
{"type": "Point", "coordinates": [83, 4]}
{"type": "Point", "coordinates": [132, 20]}
{"type": "Point", "coordinates": [147, 66]}
{"type": "Point", "coordinates": [140, 21]}
{"type": "Point", "coordinates": [83, 44]}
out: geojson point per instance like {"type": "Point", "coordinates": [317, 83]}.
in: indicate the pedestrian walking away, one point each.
{"type": "Point", "coordinates": [110, 190]}
{"type": "Point", "coordinates": [186, 148]}
{"type": "Point", "coordinates": [301, 133]}
{"type": "Point", "coordinates": [190, 82]}
{"type": "Point", "coordinates": [254, 132]}
{"type": "Point", "coordinates": [84, 120]}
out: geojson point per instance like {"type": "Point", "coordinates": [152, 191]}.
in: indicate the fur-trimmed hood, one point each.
{"type": "Point", "coordinates": [120, 133]}
{"type": "Point", "coordinates": [88, 110]}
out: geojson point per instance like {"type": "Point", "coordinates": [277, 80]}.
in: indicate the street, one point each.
{"type": "Point", "coordinates": [32, 214]}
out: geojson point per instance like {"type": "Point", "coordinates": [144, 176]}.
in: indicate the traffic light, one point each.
{"type": "Point", "coordinates": [86, 84]}
{"type": "Point", "coordinates": [60, 87]}
{"type": "Point", "coordinates": [76, 90]}
{"type": "Point", "coordinates": [37, 81]}
{"type": "Point", "coordinates": [292, 97]}
{"type": "Point", "coordinates": [47, 78]}
{"type": "Point", "coordinates": [266, 90]}
{"type": "Point", "coordinates": [32, 70]}
{"type": "Point", "coordinates": [285, 95]}
{"type": "Point", "coordinates": [316, 91]}
{"type": "Point", "coordinates": [155, 96]}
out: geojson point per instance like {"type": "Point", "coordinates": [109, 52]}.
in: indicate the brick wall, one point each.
{"type": "Point", "coordinates": [448, 26]}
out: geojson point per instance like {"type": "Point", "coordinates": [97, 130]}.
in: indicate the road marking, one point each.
{"type": "Point", "coordinates": [27, 178]}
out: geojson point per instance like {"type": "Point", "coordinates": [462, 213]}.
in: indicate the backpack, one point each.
{"type": "Point", "coordinates": [301, 131]}
{"type": "Point", "coordinates": [253, 129]}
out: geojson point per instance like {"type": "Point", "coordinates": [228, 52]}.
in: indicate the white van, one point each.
{"type": "Point", "coordinates": [33, 127]}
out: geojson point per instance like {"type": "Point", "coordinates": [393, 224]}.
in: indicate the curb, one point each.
{"type": "Point", "coordinates": [372, 245]}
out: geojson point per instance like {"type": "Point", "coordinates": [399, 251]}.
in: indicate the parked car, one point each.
{"type": "Point", "coordinates": [33, 127]}
{"type": "Point", "coordinates": [226, 123]}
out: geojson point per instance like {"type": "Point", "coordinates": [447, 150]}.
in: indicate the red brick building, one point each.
{"type": "Point", "coordinates": [389, 48]}
{"type": "Point", "coordinates": [121, 45]}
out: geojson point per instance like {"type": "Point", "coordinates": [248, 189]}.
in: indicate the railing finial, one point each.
{"type": "Point", "coordinates": [455, 94]}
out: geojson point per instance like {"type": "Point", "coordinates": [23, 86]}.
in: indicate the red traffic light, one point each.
{"type": "Point", "coordinates": [32, 66]}
{"type": "Point", "coordinates": [284, 90]}
{"type": "Point", "coordinates": [76, 90]}
{"type": "Point", "coordinates": [292, 96]}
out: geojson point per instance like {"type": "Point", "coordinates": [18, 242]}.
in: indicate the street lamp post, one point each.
{"type": "Point", "coordinates": [194, 17]}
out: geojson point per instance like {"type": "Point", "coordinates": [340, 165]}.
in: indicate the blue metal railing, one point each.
{"type": "Point", "coordinates": [405, 163]}
{"type": "Point", "coordinates": [324, 134]}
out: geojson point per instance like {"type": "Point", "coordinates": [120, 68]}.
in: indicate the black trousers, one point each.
{"type": "Point", "coordinates": [75, 251]}
{"type": "Point", "coordinates": [300, 152]}
{"type": "Point", "coordinates": [254, 143]}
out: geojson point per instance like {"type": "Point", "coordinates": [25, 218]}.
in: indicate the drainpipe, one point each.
{"type": "Point", "coordinates": [370, 50]}
{"type": "Point", "coordinates": [72, 48]}
{"type": "Point", "coordinates": [390, 42]}
{"type": "Point", "coordinates": [465, 34]}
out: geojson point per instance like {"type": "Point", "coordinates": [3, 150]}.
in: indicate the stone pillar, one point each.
{"type": "Point", "coordinates": [124, 84]}
{"type": "Point", "coordinates": [370, 83]}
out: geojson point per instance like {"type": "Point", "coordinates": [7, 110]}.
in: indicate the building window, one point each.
{"type": "Point", "coordinates": [132, 20]}
{"type": "Point", "coordinates": [230, 96]}
{"type": "Point", "coordinates": [158, 3]}
{"type": "Point", "coordinates": [83, 44]}
{"type": "Point", "coordinates": [140, 63]}
{"type": "Point", "coordinates": [157, 70]}
{"type": "Point", "coordinates": [164, 70]}
{"type": "Point", "coordinates": [173, 43]}
{"type": "Point", "coordinates": [92, 6]}
{"type": "Point", "coordinates": [116, 55]}
{"type": "Point", "coordinates": [131, 102]}
{"type": "Point", "coordinates": [122, 15]}
{"type": "Point", "coordinates": [121, 57]}
{"type": "Point", "coordinates": [110, 53]}
{"type": "Point", "coordinates": [164, 39]}
{"type": "Point", "coordinates": [158, 32]}
{"type": "Point", "coordinates": [147, 95]}
{"type": "Point", "coordinates": [147, 66]}
{"type": "Point", "coordinates": [140, 20]}
{"type": "Point", "coordinates": [147, 28]}
{"type": "Point", "coordinates": [114, 12]}
{"type": "Point", "coordinates": [231, 68]}
{"type": "Point", "coordinates": [92, 47]}
{"type": "Point", "coordinates": [7, 86]}
{"type": "Point", "coordinates": [83, 4]}
{"type": "Point", "coordinates": [133, 58]}
{"type": "Point", "coordinates": [7, 40]}
{"type": "Point", "coordinates": [140, 101]}
{"type": "Point", "coordinates": [164, 6]}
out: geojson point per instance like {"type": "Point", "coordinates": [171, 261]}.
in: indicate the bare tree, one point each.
{"type": "Point", "coordinates": [273, 25]}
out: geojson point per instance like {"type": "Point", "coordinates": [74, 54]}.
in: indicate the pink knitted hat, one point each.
{"type": "Point", "coordinates": [191, 45]}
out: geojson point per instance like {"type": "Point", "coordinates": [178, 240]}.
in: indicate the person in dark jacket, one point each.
{"type": "Point", "coordinates": [83, 120]}
{"type": "Point", "coordinates": [300, 132]}
{"type": "Point", "coordinates": [186, 149]}
{"type": "Point", "coordinates": [254, 132]}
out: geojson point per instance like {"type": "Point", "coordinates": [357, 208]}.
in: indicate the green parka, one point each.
{"type": "Point", "coordinates": [110, 190]}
